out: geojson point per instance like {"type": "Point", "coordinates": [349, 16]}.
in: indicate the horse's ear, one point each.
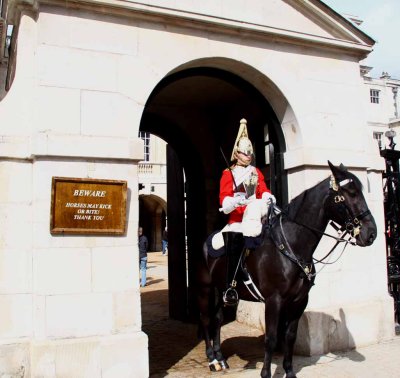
{"type": "Point", "coordinates": [337, 171]}
{"type": "Point", "coordinates": [332, 167]}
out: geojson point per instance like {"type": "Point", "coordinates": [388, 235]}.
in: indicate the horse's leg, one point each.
{"type": "Point", "coordinates": [272, 312]}
{"type": "Point", "coordinates": [204, 300]}
{"type": "Point", "coordinates": [290, 334]}
{"type": "Point", "coordinates": [218, 318]}
{"type": "Point", "coordinates": [206, 323]}
{"type": "Point", "coordinates": [288, 345]}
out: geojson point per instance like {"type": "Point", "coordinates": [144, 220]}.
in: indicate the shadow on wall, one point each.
{"type": "Point", "coordinates": [316, 330]}
{"type": "Point", "coordinates": [321, 333]}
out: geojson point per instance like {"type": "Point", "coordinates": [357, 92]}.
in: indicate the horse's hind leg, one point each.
{"type": "Point", "coordinates": [218, 319]}
{"type": "Point", "coordinates": [205, 299]}
{"type": "Point", "coordinates": [205, 321]}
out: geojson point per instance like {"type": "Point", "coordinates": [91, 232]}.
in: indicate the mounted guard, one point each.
{"type": "Point", "coordinates": [282, 266]}
{"type": "Point", "coordinates": [244, 196]}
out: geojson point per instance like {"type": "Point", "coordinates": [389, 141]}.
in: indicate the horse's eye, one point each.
{"type": "Point", "coordinates": [351, 190]}
{"type": "Point", "coordinates": [353, 194]}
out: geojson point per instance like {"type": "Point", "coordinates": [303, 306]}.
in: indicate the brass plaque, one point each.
{"type": "Point", "coordinates": [87, 206]}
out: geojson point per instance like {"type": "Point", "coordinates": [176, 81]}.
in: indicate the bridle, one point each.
{"type": "Point", "coordinates": [352, 226]}
{"type": "Point", "coordinates": [352, 223]}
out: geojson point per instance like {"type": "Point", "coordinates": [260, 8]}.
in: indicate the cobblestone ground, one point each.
{"type": "Point", "coordinates": [174, 348]}
{"type": "Point", "coordinates": [176, 352]}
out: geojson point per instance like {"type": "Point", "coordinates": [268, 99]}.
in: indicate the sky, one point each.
{"type": "Point", "coordinates": [380, 22]}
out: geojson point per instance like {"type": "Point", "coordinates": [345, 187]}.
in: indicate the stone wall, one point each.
{"type": "Point", "coordinates": [83, 76]}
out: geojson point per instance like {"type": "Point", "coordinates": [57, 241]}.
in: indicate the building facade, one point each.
{"type": "Point", "coordinates": [383, 104]}
{"type": "Point", "coordinates": [86, 78]}
{"type": "Point", "coordinates": [152, 176]}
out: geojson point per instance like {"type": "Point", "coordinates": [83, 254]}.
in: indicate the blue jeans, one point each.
{"type": "Point", "coordinates": [164, 246]}
{"type": "Point", "coordinates": [143, 268]}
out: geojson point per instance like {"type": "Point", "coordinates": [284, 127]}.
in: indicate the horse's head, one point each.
{"type": "Point", "coordinates": [346, 206]}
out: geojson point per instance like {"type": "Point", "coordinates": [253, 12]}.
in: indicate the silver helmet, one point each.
{"type": "Point", "coordinates": [242, 143]}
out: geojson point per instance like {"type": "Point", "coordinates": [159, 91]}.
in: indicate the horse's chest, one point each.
{"type": "Point", "coordinates": [299, 289]}
{"type": "Point", "coordinates": [276, 275]}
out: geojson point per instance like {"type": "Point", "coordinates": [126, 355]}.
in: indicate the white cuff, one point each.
{"type": "Point", "coordinates": [268, 197]}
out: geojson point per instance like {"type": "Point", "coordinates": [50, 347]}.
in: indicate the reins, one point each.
{"type": "Point", "coordinates": [352, 226]}
{"type": "Point", "coordinates": [292, 256]}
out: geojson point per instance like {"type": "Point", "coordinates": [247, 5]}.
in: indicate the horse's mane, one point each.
{"type": "Point", "coordinates": [294, 205]}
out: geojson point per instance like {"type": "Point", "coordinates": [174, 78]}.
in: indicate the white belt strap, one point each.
{"type": "Point", "coordinates": [252, 288]}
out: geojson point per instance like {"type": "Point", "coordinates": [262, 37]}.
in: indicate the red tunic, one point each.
{"type": "Point", "coordinates": [226, 189]}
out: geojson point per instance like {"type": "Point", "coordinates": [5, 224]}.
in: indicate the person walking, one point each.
{"type": "Point", "coordinates": [143, 248]}
{"type": "Point", "coordinates": [164, 241]}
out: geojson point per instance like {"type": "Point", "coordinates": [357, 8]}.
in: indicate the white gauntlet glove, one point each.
{"type": "Point", "coordinates": [269, 198]}
{"type": "Point", "coordinates": [231, 203]}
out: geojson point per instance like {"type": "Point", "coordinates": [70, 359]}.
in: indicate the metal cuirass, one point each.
{"type": "Point", "coordinates": [250, 184]}
{"type": "Point", "coordinates": [246, 179]}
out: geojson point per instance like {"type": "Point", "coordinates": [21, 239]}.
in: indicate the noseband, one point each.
{"type": "Point", "coordinates": [353, 223]}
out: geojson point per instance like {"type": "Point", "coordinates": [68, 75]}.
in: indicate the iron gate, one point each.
{"type": "Point", "coordinates": [391, 189]}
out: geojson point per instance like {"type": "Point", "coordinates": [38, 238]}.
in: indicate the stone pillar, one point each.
{"type": "Point", "coordinates": [70, 304]}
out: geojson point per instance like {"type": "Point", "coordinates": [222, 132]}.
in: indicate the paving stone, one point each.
{"type": "Point", "coordinates": [176, 352]}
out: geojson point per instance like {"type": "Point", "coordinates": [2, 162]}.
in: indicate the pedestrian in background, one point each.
{"type": "Point", "coordinates": [164, 241]}
{"type": "Point", "coordinates": [143, 248]}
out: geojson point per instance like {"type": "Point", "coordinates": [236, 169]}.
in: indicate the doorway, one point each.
{"type": "Point", "coordinates": [197, 111]}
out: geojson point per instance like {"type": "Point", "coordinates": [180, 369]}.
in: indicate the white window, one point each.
{"type": "Point", "coordinates": [146, 138]}
{"type": "Point", "coordinates": [374, 96]}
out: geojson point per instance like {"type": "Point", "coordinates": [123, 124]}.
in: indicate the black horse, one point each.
{"type": "Point", "coordinates": [281, 267]}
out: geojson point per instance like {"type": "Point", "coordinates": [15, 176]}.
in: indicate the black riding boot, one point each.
{"type": "Point", "coordinates": [233, 247]}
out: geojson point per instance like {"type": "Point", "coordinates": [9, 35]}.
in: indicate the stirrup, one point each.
{"type": "Point", "coordinates": [230, 297]}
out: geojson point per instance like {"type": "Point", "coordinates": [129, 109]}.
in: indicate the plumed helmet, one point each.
{"type": "Point", "coordinates": [242, 143]}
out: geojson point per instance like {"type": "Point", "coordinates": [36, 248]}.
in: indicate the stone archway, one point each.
{"type": "Point", "coordinates": [197, 110]}
{"type": "Point", "coordinates": [152, 214]}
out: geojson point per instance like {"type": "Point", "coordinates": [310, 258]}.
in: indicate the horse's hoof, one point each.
{"type": "Point", "coordinates": [224, 365]}
{"type": "Point", "coordinates": [214, 366]}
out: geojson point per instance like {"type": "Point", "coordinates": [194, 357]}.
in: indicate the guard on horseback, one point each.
{"type": "Point", "coordinates": [245, 197]}
{"type": "Point", "coordinates": [282, 264]}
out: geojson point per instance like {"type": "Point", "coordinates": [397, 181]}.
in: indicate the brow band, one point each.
{"type": "Point", "coordinates": [344, 182]}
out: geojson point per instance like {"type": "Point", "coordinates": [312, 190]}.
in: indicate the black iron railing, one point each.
{"type": "Point", "coordinates": [391, 189]}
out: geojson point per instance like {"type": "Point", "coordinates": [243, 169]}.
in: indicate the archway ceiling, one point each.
{"type": "Point", "coordinates": [188, 101]}
{"type": "Point", "coordinates": [196, 92]}
{"type": "Point", "coordinates": [152, 203]}
{"type": "Point", "coordinates": [198, 112]}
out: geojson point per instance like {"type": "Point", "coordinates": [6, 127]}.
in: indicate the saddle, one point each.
{"type": "Point", "coordinates": [238, 248]}
{"type": "Point", "coordinates": [216, 248]}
